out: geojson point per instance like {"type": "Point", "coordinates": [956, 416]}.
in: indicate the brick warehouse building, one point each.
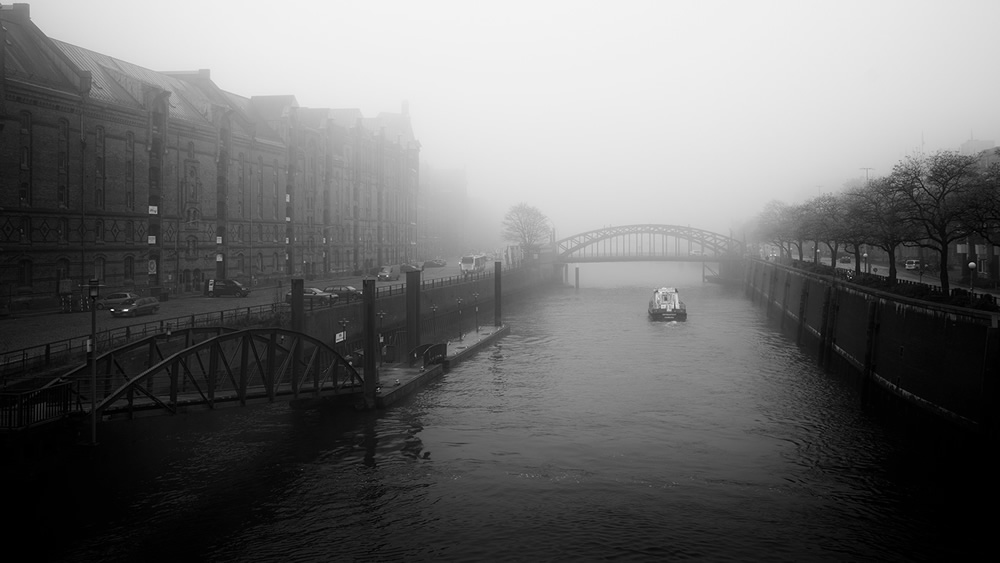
{"type": "Point", "coordinates": [156, 181]}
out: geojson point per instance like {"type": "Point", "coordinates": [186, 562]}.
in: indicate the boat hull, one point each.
{"type": "Point", "coordinates": [660, 315]}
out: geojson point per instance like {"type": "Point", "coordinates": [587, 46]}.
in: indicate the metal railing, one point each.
{"type": "Point", "coordinates": [26, 409]}
{"type": "Point", "coordinates": [60, 352]}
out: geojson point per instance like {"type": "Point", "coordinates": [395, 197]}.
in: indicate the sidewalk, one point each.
{"type": "Point", "coordinates": [399, 380]}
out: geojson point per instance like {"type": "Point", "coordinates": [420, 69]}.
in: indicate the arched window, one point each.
{"type": "Point", "coordinates": [99, 268]}
{"type": "Point", "coordinates": [129, 270]}
{"type": "Point", "coordinates": [25, 230]}
{"type": "Point", "coordinates": [130, 170]}
{"type": "Point", "coordinates": [62, 268]}
{"type": "Point", "coordinates": [24, 273]}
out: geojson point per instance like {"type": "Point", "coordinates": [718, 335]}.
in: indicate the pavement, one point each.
{"type": "Point", "coordinates": [398, 381]}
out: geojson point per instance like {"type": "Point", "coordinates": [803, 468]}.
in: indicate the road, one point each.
{"type": "Point", "coordinates": [19, 331]}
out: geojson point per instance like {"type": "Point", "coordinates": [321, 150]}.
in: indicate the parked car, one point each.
{"type": "Point", "coordinates": [314, 295]}
{"type": "Point", "coordinates": [912, 265]}
{"type": "Point", "coordinates": [388, 273]}
{"type": "Point", "coordinates": [135, 307]}
{"type": "Point", "coordinates": [436, 263]}
{"type": "Point", "coordinates": [844, 259]}
{"type": "Point", "coordinates": [113, 299]}
{"type": "Point", "coordinates": [218, 288]}
{"type": "Point", "coordinates": [345, 292]}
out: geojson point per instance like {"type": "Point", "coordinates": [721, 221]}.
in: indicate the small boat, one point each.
{"type": "Point", "coordinates": [666, 305]}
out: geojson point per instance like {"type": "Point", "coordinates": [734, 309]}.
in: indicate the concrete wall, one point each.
{"type": "Point", "coordinates": [324, 323]}
{"type": "Point", "coordinates": [943, 360]}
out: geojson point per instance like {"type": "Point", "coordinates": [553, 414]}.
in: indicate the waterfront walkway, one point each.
{"type": "Point", "coordinates": [399, 380]}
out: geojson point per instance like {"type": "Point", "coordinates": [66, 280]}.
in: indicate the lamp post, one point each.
{"type": "Point", "coordinates": [94, 288]}
{"type": "Point", "coordinates": [475, 297]}
{"type": "Point", "coordinates": [381, 337]}
{"type": "Point", "coordinates": [434, 309]}
{"type": "Point", "coordinates": [459, 318]}
{"type": "Point", "coordinates": [972, 278]}
{"type": "Point", "coordinates": [343, 327]}
{"type": "Point", "coordinates": [865, 258]}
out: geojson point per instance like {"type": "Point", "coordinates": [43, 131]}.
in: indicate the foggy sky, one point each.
{"type": "Point", "coordinates": [601, 113]}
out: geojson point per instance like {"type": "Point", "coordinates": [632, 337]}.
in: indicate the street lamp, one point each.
{"type": "Point", "coordinates": [343, 327]}
{"type": "Point", "coordinates": [381, 337]}
{"type": "Point", "coordinates": [459, 318]}
{"type": "Point", "coordinates": [865, 257]}
{"type": "Point", "coordinates": [475, 296]}
{"type": "Point", "coordinates": [94, 288]}
{"type": "Point", "coordinates": [972, 277]}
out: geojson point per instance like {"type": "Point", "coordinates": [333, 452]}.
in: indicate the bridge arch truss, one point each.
{"type": "Point", "coordinates": [647, 242]}
{"type": "Point", "coordinates": [230, 367]}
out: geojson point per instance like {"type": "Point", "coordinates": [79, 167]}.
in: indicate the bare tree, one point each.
{"type": "Point", "coordinates": [824, 219]}
{"type": "Point", "coordinates": [943, 191]}
{"type": "Point", "coordinates": [884, 209]}
{"type": "Point", "coordinates": [525, 225]}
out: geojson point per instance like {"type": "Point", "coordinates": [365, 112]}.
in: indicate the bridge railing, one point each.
{"type": "Point", "coordinates": [17, 363]}
{"type": "Point", "coordinates": [26, 409]}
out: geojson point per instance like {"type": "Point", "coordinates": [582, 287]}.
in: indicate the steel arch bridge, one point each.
{"type": "Point", "coordinates": [649, 242]}
{"type": "Point", "coordinates": [206, 368]}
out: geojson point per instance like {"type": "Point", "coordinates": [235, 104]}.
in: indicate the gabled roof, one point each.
{"type": "Point", "coordinates": [125, 84]}
{"type": "Point", "coordinates": [31, 57]}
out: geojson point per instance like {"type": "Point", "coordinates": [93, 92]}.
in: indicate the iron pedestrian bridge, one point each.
{"type": "Point", "coordinates": [643, 243]}
{"type": "Point", "coordinates": [190, 369]}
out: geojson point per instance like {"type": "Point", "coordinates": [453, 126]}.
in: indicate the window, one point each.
{"type": "Point", "coordinates": [129, 269]}
{"type": "Point", "coordinates": [130, 171]}
{"type": "Point", "coordinates": [24, 273]}
{"type": "Point", "coordinates": [99, 268]}
{"type": "Point", "coordinates": [62, 268]}
{"type": "Point", "coordinates": [99, 172]}
{"type": "Point", "coordinates": [191, 247]}
{"type": "Point", "coordinates": [63, 232]}
{"type": "Point", "coordinates": [241, 186]}
{"type": "Point", "coordinates": [25, 230]}
{"type": "Point", "coordinates": [276, 199]}
{"type": "Point", "coordinates": [99, 231]}
{"type": "Point", "coordinates": [62, 164]}
{"type": "Point", "coordinates": [129, 231]}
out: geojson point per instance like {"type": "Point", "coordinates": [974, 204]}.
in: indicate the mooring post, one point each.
{"type": "Point", "coordinates": [297, 324]}
{"type": "Point", "coordinates": [497, 293]}
{"type": "Point", "coordinates": [368, 330]}
{"type": "Point", "coordinates": [577, 281]}
{"type": "Point", "coordinates": [871, 334]}
{"type": "Point", "coordinates": [412, 310]}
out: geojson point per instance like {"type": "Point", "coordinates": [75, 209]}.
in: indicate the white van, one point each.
{"type": "Point", "coordinates": [912, 265]}
{"type": "Point", "coordinates": [388, 273]}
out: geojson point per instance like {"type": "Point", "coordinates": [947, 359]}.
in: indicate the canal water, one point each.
{"type": "Point", "coordinates": [588, 433]}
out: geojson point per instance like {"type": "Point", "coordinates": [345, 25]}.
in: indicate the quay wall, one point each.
{"type": "Point", "coordinates": [435, 324]}
{"type": "Point", "coordinates": [937, 360]}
